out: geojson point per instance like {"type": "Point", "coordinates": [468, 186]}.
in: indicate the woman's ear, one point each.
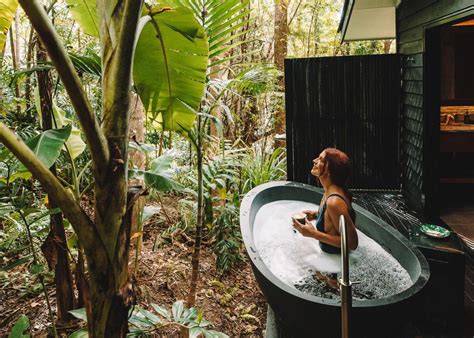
{"type": "Point", "coordinates": [326, 169]}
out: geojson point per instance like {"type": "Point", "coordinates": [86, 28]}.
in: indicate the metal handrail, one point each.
{"type": "Point", "coordinates": [345, 285]}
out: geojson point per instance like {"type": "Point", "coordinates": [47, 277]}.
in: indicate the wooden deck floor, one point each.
{"type": "Point", "coordinates": [393, 209]}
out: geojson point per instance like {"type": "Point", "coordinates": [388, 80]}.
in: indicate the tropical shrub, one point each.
{"type": "Point", "coordinates": [260, 167]}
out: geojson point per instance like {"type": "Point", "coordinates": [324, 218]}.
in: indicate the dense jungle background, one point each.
{"type": "Point", "coordinates": [202, 121]}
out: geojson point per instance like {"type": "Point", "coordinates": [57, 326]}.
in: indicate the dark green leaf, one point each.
{"type": "Point", "coordinates": [17, 262]}
{"type": "Point", "coordinates": [20, 327]}
{"type": "Point", "coordinates": [48, 212]}
{"type": "Point", "coordinates": [89, 64]}
{"type": "Point", "coordinates": [36, 269]}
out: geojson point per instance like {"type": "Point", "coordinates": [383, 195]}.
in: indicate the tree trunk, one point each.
{"type": "Point", "coordinates": [111, 292]}
{"type": "Point", "coordinates": [14, 47]}
{"type": "Point", "coordinates": [199, 224]}
{"type": "Point", "coordinates": [59, 261]}
{"type": "Point", "coordinates": [29, 58]}
{"type": "Point", "coordinates": [138, 159]}
{"type": "Point", "coordinates": [280, 51]}
{"type": "Point", "coordinates": [386, 46]}
{"type": "Point", "coordinates": [83, 291]}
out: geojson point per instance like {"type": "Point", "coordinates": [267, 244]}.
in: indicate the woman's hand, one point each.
{"type": "Point", "coordinates": [310, 214]}
{"type": "Point", "coordinates": [306, 229]}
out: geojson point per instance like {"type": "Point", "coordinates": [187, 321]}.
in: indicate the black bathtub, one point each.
{"type": "Point", "coordinates": [299, 314]}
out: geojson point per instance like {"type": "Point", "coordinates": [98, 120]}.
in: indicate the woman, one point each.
{"type": "Point", "coordinates": [333, 169]}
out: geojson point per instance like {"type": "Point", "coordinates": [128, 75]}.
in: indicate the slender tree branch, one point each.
{"type": "Point", "coordinates": [294, 13]}
{"type": "Point", "coordinates": [95, 138]}
{"type": "Point", "coordinates": [83, 226]}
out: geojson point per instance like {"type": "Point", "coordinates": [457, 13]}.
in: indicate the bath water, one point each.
{"type": "Point", "coordinates": [295, 259]}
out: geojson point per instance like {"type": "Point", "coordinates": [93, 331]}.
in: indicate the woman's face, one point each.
{"type": "Point", "coordinates": [319, 165]}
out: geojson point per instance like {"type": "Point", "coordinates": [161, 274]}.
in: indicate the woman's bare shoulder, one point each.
{"type": "Point", "coordinates": [337, 201]}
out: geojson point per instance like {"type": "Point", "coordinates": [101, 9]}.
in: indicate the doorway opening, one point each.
{"type": "Point", "coordinates": [456, 126]}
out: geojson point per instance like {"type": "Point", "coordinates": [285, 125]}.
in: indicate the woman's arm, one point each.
{"type": "Point", "coordinates": [336, 207]}
{"type": "Point", "coordinates": [308, 230]}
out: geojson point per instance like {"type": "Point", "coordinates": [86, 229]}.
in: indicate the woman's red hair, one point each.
{"type": "Point", "coordinates": [339, 166]}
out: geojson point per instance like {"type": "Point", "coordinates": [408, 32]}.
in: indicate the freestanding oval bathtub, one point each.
{"type": "Point", "coordinates": [300, 314]}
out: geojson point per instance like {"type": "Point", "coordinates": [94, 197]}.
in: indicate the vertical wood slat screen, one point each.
{"type": "Point", "coordinates": [351, 103]}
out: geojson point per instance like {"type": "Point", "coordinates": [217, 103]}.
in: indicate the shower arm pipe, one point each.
{"type": "Point", "coordinates": [345, 284]}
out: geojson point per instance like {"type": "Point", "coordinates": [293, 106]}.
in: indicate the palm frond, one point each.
{"type": "Point", "coordinates": [224, 22]}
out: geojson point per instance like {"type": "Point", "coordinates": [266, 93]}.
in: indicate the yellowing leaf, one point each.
{"type": "Point", "coordinates": [7, 12]}
{"type": "Point", "coordinates": [75, 143]}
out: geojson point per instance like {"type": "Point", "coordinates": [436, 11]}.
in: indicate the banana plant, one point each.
{"type": "Point", "coordinates": [106, 237]}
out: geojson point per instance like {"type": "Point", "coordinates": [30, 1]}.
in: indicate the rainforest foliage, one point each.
{"type": "Point", "coordinates": [111, 108]}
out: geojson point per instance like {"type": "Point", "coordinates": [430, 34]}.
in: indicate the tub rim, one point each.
{"type": "Point", "coordinates": [247, 237]}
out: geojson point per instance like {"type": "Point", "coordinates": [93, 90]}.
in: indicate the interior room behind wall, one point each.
{"type": "Point", "coordinates": [457, 127]}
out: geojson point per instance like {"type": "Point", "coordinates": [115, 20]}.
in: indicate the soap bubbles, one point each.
{"type": "Point", "coordinates": [295, 259]}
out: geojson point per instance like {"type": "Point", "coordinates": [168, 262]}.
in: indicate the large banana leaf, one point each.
{"type": "Point", "coordinates": [169, 66]}
{"type": "Point", "coordinates": [85, 13]}
{"type": "Point", "coordinates": [74, 142]}
{"type": "Point", "coordinates": [7, 12]}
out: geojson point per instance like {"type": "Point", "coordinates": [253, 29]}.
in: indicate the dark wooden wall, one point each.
{"type": "Point", "coordinates": [414, 18]}
{"type": "Point", "coordinates": [351, 103]}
